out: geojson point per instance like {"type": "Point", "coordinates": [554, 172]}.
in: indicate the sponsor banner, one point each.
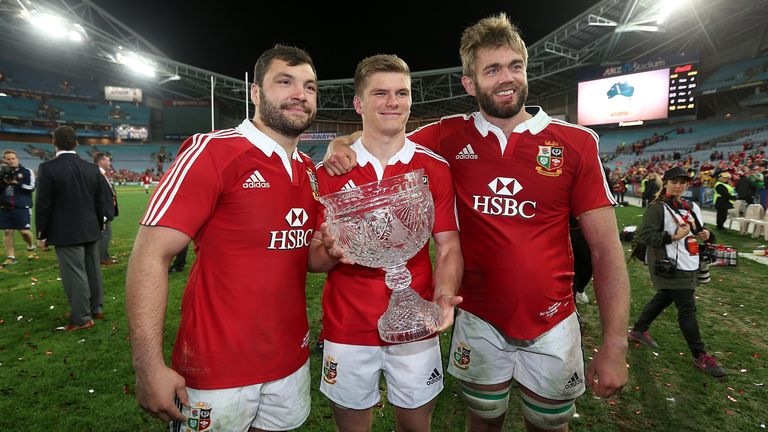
{"type": "Point", "coordinates": [317, 136]}
{"type": "Point", "coordinates": [659, 62]}
{"type": "Point", "coordinates": [125, 94]}
{"type": "Point", "coordinates": [187, 103]}
{"type": "Point", "coordinates": [132, 132]}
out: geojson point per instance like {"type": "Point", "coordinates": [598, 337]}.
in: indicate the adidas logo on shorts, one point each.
{"type": "Point", "coordinates": [434, 377]}
{"type": "Point", "coordinates": [574, 381]}
{"type": "Point", "coordinates": [467, 153]}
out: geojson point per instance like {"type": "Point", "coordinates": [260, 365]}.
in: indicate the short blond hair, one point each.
{"type": "Point", "coordinates": [378, 63]}
{"type": "Point", "coordinates": [491, 32]}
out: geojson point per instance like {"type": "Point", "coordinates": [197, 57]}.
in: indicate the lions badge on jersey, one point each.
{"type": "Point", "coordinates": [313, 183]}
{"type": "Point", "coordinates": [550, 159]}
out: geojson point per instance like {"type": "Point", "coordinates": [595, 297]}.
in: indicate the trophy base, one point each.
{"type": "Point", "coordinates": [408, 317]}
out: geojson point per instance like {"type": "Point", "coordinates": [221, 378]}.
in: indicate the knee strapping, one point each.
{"type": "Point", "coordinates": [486, 404]}
{"type": "Point", "coordinates": [548, 416]}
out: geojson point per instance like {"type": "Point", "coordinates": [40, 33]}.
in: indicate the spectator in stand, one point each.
{"type": "Point", "coordinates": [745, 188]}
{"type": "Point", "coordinates": [724, 196]}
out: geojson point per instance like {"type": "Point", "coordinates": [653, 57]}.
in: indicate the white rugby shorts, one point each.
{"type": "Point", "coordinates": [552, 365]}
{"type": "Point", "coordinates": [413, 370]}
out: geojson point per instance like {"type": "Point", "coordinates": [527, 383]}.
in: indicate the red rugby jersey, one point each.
{"type": "Point", "coordinates": [513, 206]}
{"type": "Point", "coordinates": [354, 296]}
{"type": "Point", "coordinates": [250, 209]}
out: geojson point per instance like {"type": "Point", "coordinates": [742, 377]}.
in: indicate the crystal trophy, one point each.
{"type": "Point", "coordinates": [383, 224]}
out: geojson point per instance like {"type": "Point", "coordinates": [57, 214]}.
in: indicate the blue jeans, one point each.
{"type": "Point", "coordinates": [685, 301]}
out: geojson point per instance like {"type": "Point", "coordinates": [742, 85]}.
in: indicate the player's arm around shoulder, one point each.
{"type": "Point", "coordinates": [449, 267]}
{"type": "Point", "coordinates": [146, 297]}
{"type": "Point", "coordinates": [339, 158]}
{"type": "Point", "coordinates": [607, 373]}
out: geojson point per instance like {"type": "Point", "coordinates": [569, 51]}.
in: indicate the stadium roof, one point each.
{"type": "Point", "coordinates": [612, 32]}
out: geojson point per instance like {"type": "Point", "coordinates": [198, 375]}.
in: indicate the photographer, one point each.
{"type": "Point", "coordinates": [672, 229]}
{"type": "Point", "coordinates": [15, 203]}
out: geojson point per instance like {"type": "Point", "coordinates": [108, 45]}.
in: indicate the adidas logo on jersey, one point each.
{"type": "Point", "coordinates": [573, 381]}
{"type": "Point", "coordinates": [434, 377]}
{"type": "Point", "coordinates": [467, 153]}
{"type": "Point", "coordinates": [349, 185]}
{"type": "Point", "coordinates": [256, 181]}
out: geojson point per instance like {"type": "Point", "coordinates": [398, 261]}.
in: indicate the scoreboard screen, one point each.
{"type": "Point", "coordinates": [638, 97]}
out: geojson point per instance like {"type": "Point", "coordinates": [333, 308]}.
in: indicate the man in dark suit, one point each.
{"type": "Point", "coordinates": [104, 162]}
{"type": "Point", "coordinates": [69, 214]}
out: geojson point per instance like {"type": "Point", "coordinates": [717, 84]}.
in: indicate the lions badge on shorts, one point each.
{"type": "Point", "coordinates": [550, 159]}
{"type": "Point", "coordinates": [461, 356]}
{"type": "Point", "coordinates": [199, 418]}
{"type": "Point", "coordinates": [330, 370]}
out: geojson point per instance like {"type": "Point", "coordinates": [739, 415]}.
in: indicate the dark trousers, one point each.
{"type": "Point", "coordinates": [685, 301]}
{"type": "Point", "coordinates": [106, 237]}
{"type": "Point", "coordinates": [180, 260]}
{"type": "Point", "coordinates": [81, 277]}
{"type": "Point", "coordinates": [582, 261]}
{"type": "Point", "coordinates": [722, 215]}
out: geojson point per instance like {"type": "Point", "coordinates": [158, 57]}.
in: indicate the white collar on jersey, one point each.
{"type": "Point", "coordinates": [404, 155]}
{"type": "Point", "coordinates": [267, 145]}
{"type": "Point", "coordinates": [535, 124]}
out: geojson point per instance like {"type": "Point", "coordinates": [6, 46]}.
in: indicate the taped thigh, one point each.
{"type": "Point", "coordinates": [548, 415]}
{"type": "Point", "coordinates": [484, 403]}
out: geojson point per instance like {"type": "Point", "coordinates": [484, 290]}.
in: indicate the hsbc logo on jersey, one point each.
{"type": "Point", "coordinates": [502, 202]}
{"type": "Point", "coordinates": [292, 238]}
{"type": "Point", "coordinates": [296, 217]}
{"type": "Point", "coordinates": [505, 186]}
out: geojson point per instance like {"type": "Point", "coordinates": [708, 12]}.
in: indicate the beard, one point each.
{"type": "Point", "coordinates": [485, 100]}
{"type": "Point", "coordinates": [272, 117]}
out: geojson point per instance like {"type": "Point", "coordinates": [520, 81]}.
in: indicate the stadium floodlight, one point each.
{"type": "Point", "coordinates": [54, 26]}
{"type": "Point", "coordinates": [666, 7]}
{"type": "Point", "coordinates": [136, 63]}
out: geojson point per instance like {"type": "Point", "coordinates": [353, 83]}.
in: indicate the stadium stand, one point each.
{"type": "Point", "coordinates": [734, 75]}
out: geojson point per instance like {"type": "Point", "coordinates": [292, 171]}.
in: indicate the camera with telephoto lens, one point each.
{"type": "Point", "coordinates": [7, 173]}
{"type": "Point", "coordinates": [704, 269]}
{"type": "Point", "coordinates": [665, 268]}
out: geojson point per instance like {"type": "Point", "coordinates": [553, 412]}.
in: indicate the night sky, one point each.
{"type": "Point", "coordinates": [227, 37]}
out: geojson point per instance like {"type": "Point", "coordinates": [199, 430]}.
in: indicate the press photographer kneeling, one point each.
{"type": "Point", "coordinates": [672, 230]}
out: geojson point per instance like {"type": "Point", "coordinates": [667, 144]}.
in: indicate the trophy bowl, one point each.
{"type": "Point", "coordinates": [383, 224]}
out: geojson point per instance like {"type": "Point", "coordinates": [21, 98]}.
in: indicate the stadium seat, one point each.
{"type": "Point", "coordinates": [736, 212]}
{"type": "Point", "coordinates": [754, 212]}
{"type": "Point", "coordinates": [759, 226]}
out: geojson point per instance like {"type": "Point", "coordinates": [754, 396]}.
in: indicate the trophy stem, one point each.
{"type": "Point", "coordinates": [398, 277]}
{"type": "Point", "coordinates": [408, 317]}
